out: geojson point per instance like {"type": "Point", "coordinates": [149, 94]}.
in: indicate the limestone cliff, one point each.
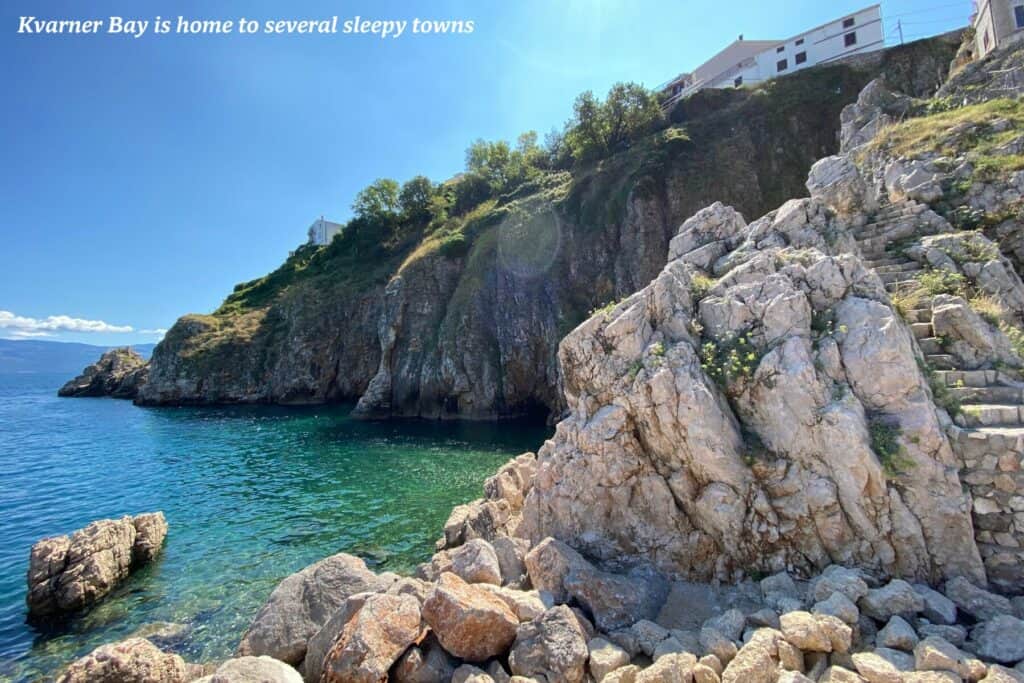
{"type": "Point", "coordinates": [425, 330]}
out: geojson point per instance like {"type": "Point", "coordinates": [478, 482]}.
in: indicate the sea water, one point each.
{"type": "Point", "coordinates": [251, 494]}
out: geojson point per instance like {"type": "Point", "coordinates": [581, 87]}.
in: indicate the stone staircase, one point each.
{"type": "Point", "coordinates": [992, 402]}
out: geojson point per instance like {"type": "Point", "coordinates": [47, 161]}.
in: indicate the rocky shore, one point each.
{"type": "Point", "coordinates": [797, 454]}
{"type": "Point", "coordinates": [119, 373]}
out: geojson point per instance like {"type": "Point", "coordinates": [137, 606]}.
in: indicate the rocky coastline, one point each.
{"type": "Point", "coordinates": [119, 373]}
{"type": "Point", "coordinates": [796, 454]}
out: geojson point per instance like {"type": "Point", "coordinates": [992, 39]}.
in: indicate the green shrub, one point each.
{"type": "Point", "coordinates": [700, 284]}
{"type": "Point", "coordinates": [886, 445]}
{"type": "Point", "coordinates": [939, 281]}
{"type": "Point", "coordinates": [1016, 337]}
{"type": "Point", "coordinates": [729, 359]}
{"type": "Point", "coordinates": [454, 245]}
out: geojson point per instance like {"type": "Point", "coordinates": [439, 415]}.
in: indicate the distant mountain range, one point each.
{"type": "Point", "coordinates": [20, 356]}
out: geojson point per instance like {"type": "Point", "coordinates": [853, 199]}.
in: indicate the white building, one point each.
{"type": "Point", "coordinates": [749, 62]}
{"type": "Point", "coordinates": [996, 23]}
{"type": "Point", "coordinates": [322, 232]}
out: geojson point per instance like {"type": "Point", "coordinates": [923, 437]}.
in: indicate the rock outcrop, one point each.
{"type": "Point", "coordinates": [729, 426]}
{"type": "Point", "coordinates": [118, 373]}
{"type": "Point", "coordinates": [69, 573]}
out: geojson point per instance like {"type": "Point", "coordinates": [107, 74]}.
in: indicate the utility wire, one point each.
{"type": "Point", "coordinates": [924, 9]}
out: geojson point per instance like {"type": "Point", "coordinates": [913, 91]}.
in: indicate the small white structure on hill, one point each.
{"type": "Point", "coordinates": [322, 232]}
{"type": "Point", "coordinates": [749, 62]}
{"type": "Point", "coordinates": [996, 23]}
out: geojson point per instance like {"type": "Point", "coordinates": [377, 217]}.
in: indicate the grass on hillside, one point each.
{"type": "Point", "coordinates": [967, 130]}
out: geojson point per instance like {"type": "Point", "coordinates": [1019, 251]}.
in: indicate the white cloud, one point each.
{"type": "Point", "coordinates": [157, 332]}
{"type": "Point", "coordinates": [21, 326]}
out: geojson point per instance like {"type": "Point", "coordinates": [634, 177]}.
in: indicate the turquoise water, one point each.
{"type": "Point", "coordinates": [251, 494]}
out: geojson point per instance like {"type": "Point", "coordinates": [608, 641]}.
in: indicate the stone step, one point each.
{"type": "Point", "coordinates": [930, 346]}
{"type": "Point", "coordinates": [900, 267]}
{"type": "Point", "coordinates": [886, 261]}
{"type": "Point", "coordinates": [899, 276]}
{"type": "Point", "coordinates": [901, 286]}
{"type": "Point", "coordinates": [991, 415]}
{"type": "Point", "coordinates": [919, 315]}
{"type": "Point", "coordinates": [967, 378]}
{"type": "Point", "coordinates": [989, 395]}
{"type": "Point", "coordinates": [901, 226]}
{"type": "Point", "coordinates": [940, 361]}
{"type": "Point", "coordinates": [922, 330]}
{"type": "Point", "coordinates": [1005, 433]}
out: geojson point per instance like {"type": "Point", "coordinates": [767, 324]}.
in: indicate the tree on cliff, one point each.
{"type": "Point", "coordinates": [378, 201]}
{"type": "Point", "coordinates": [599, 129]}
{"type": "Point", "coordinates": [415, 199]}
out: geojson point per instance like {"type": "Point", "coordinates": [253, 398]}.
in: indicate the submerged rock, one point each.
{"type": "Point", "coordinates": [68, 573]}
{"type": "Point", "coordinates": [118, 373]}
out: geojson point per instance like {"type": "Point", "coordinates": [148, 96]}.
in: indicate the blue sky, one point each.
{"type": "Point", "coordinates": [143, 178]}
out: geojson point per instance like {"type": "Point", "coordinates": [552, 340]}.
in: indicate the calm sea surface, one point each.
{"type": "Point", "coordinates": [250, 494]}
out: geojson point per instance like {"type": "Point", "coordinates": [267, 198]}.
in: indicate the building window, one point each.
{"type": "Point", "coordinates": [850, 39]}
{"type": "Point", "coordinates": [738, 82]}
{"type": "Point", "coordinates": [782, 65]}
{"type": "Point", "coordinates": [847, 23]}
{"type": "Point", "coordinates": [986, 39]}
{"type": "Point", "coordinates": [780, 48]}
{"type": "Point", "coordinates": [801, 57]}
{"type": "Point", "coordinates": [800, 42]}
{"type": "Point", "coordinates": [1018, 14]}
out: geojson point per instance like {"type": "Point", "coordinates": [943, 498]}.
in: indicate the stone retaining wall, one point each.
{"type": "Point", "coordinates": [992, 469]}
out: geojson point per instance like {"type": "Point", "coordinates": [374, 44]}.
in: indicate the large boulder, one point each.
{"type": "Point", "coordinates": [260, 669]}
{"type": "Point", "coordinates": [614, 600]}
{"type": "Point", "coordinates": [975, 601]}
{"type": "Point", "coordinates": [424, 663]}
{"type": "Point", "coordinates": [118, 373]}
{"type": "Point", "coordinates": [552, 647]}
{"type": "Point", "coordinates": [1000, 639]}
{"type": "Point", "coordinates": [135, 660]}
{"type": "Point", "coordinates": [373, 640]}
{"type": "Point", "coordinates": [303, 602]}
{"type": "Point", "coordinates": [469, 621]}
{"type": "Point", "coordinates": [68, 573]}
{"type": "Point", "coordinates": [837, 183]}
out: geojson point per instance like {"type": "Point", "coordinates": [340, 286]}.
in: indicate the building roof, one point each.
{"type": "Point", "coordinates": [741, 49]}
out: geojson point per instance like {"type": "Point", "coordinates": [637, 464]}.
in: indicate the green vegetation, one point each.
{"type": "Point", "coordinates": [732, 358]}
{"type": "Point", "coordinates": [885, 443]}
{"type": "Point", "coordinates": [599, 129]}
{"type": "Point", "coordinates": [967, 130]}
{"type": "Point", "coordinates": [939, 281]}
{"type": "Point", "coordinates": [941, 394]}
{"type": "Point", "coordinates": [1016, 337]}
{"type": "Point", "coordinates": [700, 284]}
{"type": "Point", "coordinates": [988, 308]}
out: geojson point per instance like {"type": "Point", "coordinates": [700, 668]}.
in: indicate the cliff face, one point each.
{"type": "Point", "coordinates": [474, 334]}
